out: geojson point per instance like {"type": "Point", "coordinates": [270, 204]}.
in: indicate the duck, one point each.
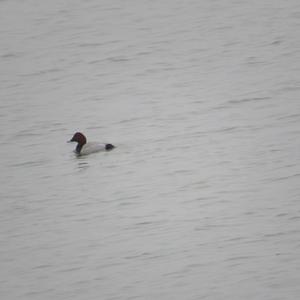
{"type": "Point", "coordinates": [84, 148]}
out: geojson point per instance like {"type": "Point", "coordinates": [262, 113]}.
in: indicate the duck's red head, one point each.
{"type": "Point", "coordinates": [79, 138]}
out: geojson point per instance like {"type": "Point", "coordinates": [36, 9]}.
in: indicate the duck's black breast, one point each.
{"type": "Point", "coordinates": [78, 148]}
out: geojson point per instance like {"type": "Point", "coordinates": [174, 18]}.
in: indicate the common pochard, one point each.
{"type": "Point", "coordinates": [83, 147]}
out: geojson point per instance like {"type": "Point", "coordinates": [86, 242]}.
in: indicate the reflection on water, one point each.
{"type": "Point", "coordinates": [82, 163]}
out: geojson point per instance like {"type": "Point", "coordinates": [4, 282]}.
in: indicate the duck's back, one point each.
{"type": "Point", "coordinates": [92, 147]}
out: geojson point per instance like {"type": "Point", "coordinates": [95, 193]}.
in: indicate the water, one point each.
{"type": "Point", "coordinates": [200, 199]}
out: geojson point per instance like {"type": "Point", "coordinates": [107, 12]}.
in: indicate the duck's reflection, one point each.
{"type": "Point", "coordinates": [82, 163]}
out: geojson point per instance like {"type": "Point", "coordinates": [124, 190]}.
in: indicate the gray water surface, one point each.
{"type": "Point", "coordinates": [200, 199]}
